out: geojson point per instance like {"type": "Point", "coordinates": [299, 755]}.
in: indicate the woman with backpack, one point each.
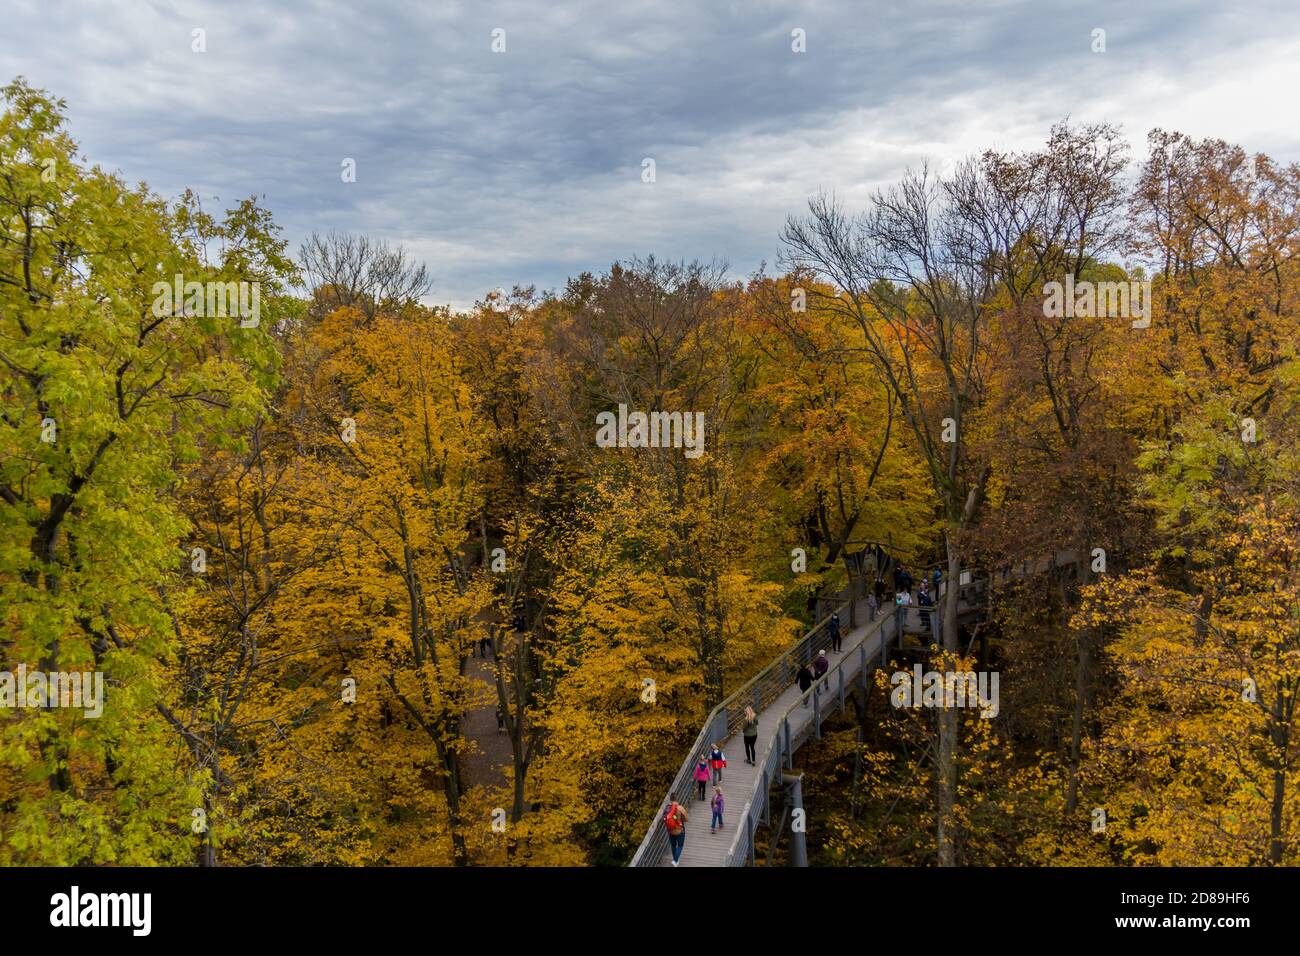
{"type": "Point", "coordinates": [749, 732]}
{"type": "Point", "coordinates": [702, 773]}
{"type": "Point", "coordinates": [675, 818]}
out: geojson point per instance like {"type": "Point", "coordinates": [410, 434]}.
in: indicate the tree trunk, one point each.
{"type": "Point", "coordinates": [860, 711]}
{"type": "Point", "coordinates": [1281, 740]}
{"type": "Point", "coordinates": [1083, 666]}
{"type": "Point", "coordinates": [946, 766]}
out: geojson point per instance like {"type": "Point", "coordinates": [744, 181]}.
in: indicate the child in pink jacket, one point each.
{"type": "Point", "coordinates": [702, 774]}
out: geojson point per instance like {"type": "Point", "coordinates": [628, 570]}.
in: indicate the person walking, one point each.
{"type": "Point", "coordinates": [716, 823]}
{"type": "Point", "coordinates": [805, 679]}
{"type": "Point", "coordinates": [749, 732]}
{"type": "Point", "coordinates": [675, 818]}
{"type": "Point", "coordinates": [717, 760]}
{"type": "Point", "coordinates": [835, 633]}
{"type": "Point", "coordinates": [872, 605]}
{"type": "Point", "coordinates": [923, 599]}
{"type": "Point", "coordinates": [820, 666]}
{"type": "Point", "coordinates": [702, 774]}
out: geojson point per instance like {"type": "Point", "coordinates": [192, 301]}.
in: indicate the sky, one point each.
{"type": "Point", "coordinates": [525, 166]}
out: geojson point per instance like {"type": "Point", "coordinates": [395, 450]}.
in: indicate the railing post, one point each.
{"type": "Point", "coordinates": [749, 836]}
{"type": "Point", "coordinates": [798, 842]}
{"type": "Point", "coordinates": [766, 817]}
{"type": "Point", "coordinates": [817, 711]}
{"type": "Point", "coordinates": [785, 730]}
{"type": "Point", "coordinates": [840, 670]}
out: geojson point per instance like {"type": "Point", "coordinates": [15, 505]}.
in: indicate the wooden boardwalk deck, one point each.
{"type": "Point", "coordinates": [743, 784]}
{"type": "Point", "coordinates": [740, 781]}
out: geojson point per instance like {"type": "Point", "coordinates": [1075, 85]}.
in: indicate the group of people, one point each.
{"type": "Point", "coordinates": [806, 676]}
{"type": "Point", "coordinates": [926, 596]}
{"type": "Point", "coordinates": [709, 766]}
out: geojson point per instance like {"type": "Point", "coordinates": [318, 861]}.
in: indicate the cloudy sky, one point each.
{"type": "Point", "coordinates": [525, 166]}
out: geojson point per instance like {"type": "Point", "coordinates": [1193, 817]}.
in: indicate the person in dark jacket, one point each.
{"type": "Point", "coordinates": [805, 679]}
{"type": "Point", "coordinates": [750, 735]}
{"type": "Point", "coordinates": [835, 633]}
{"type": "Point", "coordinates": [925, 600]}
{"type": "Point", "coordinates": [820, 666]}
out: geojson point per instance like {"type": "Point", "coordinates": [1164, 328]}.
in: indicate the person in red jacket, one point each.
{"type": "Point", "coordinates": [717, 760]}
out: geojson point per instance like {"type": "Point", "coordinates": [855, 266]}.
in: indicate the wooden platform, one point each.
{"type": "Point", "coordinates": [740, 782]}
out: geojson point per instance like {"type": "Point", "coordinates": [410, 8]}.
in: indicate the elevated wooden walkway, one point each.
{"type": "Point", "coordinates": [786, 719]}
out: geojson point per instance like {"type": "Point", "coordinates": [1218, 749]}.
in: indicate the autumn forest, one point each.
{"type": "Point", "coordinates": [366, 585]}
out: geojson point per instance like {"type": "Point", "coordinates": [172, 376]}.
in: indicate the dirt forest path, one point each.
{"type": "Point", "coordinates": [489, 764]}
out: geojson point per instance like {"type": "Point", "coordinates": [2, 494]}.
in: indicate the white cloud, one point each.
{"type": "Point", "coordinates": [524, 167]}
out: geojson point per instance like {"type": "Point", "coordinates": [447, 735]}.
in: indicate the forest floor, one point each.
{"type": "Point", "coordinates": [489, 763]}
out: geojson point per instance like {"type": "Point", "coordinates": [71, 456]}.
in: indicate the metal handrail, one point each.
{"type": "Point", "coordinates": [757, 692]}
{"type": "Point", "coordinates": [781, 747]}
{"type": "Point", "coordinates": [782, 744]}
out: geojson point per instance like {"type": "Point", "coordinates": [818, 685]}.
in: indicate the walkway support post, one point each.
{"type": "Point", "coordinates": [898, 632]}
{"type": "Point", "coordinates": [798, 842]}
